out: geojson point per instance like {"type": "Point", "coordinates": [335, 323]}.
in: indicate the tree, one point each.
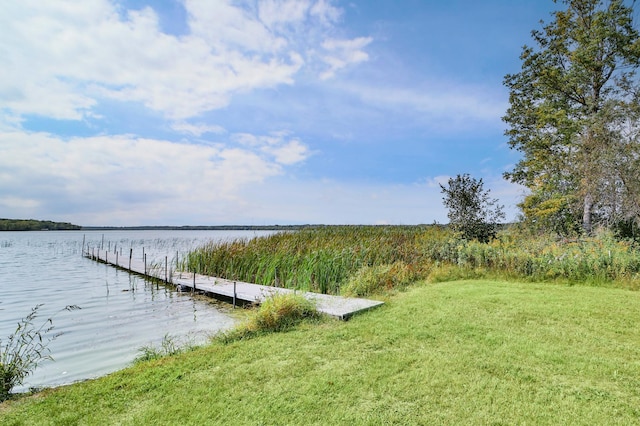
{"type": "Point", "coordinates": [574, 110]}
{"type": "Point", "coordinates": [471, 211]}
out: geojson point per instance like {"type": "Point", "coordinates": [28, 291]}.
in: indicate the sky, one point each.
{"type": "Point", "coordinates": [255, 112]}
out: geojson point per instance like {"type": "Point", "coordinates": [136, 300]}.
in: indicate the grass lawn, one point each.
{"type": "Point", "coordinates": [469, 352]}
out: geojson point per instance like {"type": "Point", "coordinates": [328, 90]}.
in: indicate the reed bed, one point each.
{"type": "Point", "coordinates": [314, 259]}
{"type": "Point", "coordinates": [364, 260]}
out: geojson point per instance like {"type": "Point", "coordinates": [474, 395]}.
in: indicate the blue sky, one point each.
{"type": "Point", "coordinates": [207, 112]}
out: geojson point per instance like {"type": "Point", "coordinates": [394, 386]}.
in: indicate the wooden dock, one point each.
{"type": "Point", "coordinates": [228, 290]}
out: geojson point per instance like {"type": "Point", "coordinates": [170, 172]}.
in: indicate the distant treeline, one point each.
{"type": "Point", "coordinates": [35, 225]}
{"type": "Point", "coordinates": [204, 228]}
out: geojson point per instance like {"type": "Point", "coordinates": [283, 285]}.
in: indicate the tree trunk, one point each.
{"type": "Point", "coordinates": [587, 226]}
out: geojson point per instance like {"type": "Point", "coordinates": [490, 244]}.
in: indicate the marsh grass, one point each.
{"type": "Point", "coordinates": [314, 259]}
{"type": "Point", "coordinates": [472, 352]}
{"type": "Point", "coordinates": [364, 260]}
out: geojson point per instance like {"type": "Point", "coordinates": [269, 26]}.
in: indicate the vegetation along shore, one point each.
{"type": "Point", "coordinates": [471, 332]}
{"type": "Point", "coordinates": [531, 323]}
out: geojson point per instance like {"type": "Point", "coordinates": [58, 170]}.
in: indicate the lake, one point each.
{"type": "Point", "coordinates": [120, 312]}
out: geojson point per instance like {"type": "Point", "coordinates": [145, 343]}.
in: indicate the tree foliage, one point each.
{"type": "Point", "coordinates": [35, 225]}
{"type": "Point", "coordinates": [574, 115]}
{"type": "Point", "coordinates": [471, 210]}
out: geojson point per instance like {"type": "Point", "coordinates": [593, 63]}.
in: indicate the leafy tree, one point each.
{"type": "Point", "coordinates": [471, 210]}
{"type": "Point", "coordinates": [574, 114]}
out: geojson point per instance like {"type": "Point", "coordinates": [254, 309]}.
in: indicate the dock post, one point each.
{"type": "Point", "coordinates": [130, 254]}
{"type": "Point", "coordinates": [194, 281]}
{"type": "Point", "coordinates": [82, 250]}
{"type": "Point", "coordinates": [116, 258]}
{"type": "Point", "coordinates": [234, 295]}
{"type": "Point", "coordinates": [145, 264]}
{"type": "Point", "coordinates": [166, 276]}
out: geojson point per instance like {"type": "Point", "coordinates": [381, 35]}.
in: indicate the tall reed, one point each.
{"type": "Point", "coordinates": [313, 259]}
{"type": "Point", "coordinates": [360, 260]}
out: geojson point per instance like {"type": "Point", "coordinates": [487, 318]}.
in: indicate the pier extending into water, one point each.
{"type": "Point", "coordinates": [236, 292]}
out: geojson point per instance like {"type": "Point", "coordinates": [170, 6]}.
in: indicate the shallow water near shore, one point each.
{"type": "Point", "coordinates": [119, 312]}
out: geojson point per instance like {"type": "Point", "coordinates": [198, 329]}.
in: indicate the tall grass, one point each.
{"type": "Point", "coordinates": [361, 260]}
{"type": "Point", "coordinates": [315, 259]}
{"type": "Point", "coordinates": [280, 312]}
{"type": "Point", "coordinates": [599, 260]}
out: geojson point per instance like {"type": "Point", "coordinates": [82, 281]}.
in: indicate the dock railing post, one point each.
{"type": "Point", "coordinates": [130, 254]}
{"type": "Point", "coordinates": [194, 281]}
{"type": "Point", "coordinates": [166, 275]}
{"type": "Point", "coordinates": [116, 258]}
{"type": "Point", "coordinates": [234, 295]}
{"type": "Point", "coordinates": [145, 264]}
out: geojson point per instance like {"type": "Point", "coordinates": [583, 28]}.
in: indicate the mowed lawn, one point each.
{"type": "Point", "coordinates": [468, 352]}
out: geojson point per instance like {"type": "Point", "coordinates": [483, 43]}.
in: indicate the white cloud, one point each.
{"type": "Point", "coordinates": [45, 175]}
{"type": "Point", "coordinates": [332, 202]}
{"type": "Point", "coordinates": [62, 57]}
{"type": "Point", "coordinates": [275, 13]}
{"type": "Point", "coordinates": [126, 180]}
{"type": "Point", "coordinates": [325, 12]}
{"type": "Point", "coordinates": [197, 129]}
{"type": "Point", "coordinates": [291, 152]}
{"type": "Point", "coordinates": [342, 53]}
{"type": "Point", "coordinates": [284, 150]}
{"type": "Point", "coordinates": [442, 106]}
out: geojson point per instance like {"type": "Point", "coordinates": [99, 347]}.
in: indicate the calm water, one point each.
{"type": "Point", "coordinates": [120, 313]}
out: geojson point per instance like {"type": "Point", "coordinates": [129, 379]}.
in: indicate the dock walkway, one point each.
{"type": "Point", "coordinates": [236, 291]}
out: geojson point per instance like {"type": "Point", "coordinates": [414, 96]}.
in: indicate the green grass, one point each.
{"type": "Point", "coordinates": [469, 352]}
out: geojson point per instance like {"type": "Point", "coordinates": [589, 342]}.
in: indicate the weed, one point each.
{"type": "Point", "coordinates": [168, 347]}
{"type": "Point", "coordinates": [24, 350]}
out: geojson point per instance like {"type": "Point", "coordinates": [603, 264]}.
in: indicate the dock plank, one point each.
{"type": "Point", "coordinates": [335, 306]}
